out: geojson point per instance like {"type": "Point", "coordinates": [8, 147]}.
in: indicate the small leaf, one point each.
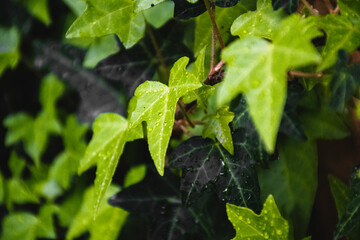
{"type": "Point", "coordinates": [341, 194]}
{"type": "Point", "coordinates": [134, 175]}
{"type": "Point", "coordinates": [9, 50]}
{"type": "Point", "coordinates": [102, 18]}
{"type": "Point", "coordinates": [290, 6]}
{"type": "Point", "coordinates": [45, 227]}
{"type": "Point", "coordinates": [19, 226]}
{"type": "Point", "coordinates": [268, 225]}
{"type": "Point", "coordinates": [39, 9]}
{"type": "Point", "coordinates": [344, 82]}
{"type": "Point", "coordinates": [260, 23]}
{"type": "Point", "coordinates": [18, 191]}
{"type": "Point", "coordinates": [156, 104]}
{"type": "Point", "coordinates": [217, 126]}
{"type": "Point", "coordinates": [104, 150]}
{"type": "Point", "coordinates": [255, 69]}
{"type": "Point", "coordinates": [16, 164]}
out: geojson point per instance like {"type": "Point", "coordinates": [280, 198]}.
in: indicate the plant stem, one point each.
{"type": "Point", "coordinates": [213, 22]}
{"type": "Point", "coordinates": [213, 48]}
{"type": "Point", "coordinates": [303, 74]}
{"type": "Point", "coordinates": [185, 114]}
{"type": "Point", "coordinates": [311, 9]}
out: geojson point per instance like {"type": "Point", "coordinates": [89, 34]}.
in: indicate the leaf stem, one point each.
{"type": "Point", "coordinates": [311, 9]}
{"type": "Point", "coordinates": [213, 23]}
{"type": "Point", "coordinates": [185, 114]}
{"type": "Point", "coordinates": [304, 74]}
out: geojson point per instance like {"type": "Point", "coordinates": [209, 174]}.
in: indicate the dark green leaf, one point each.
{"type": "Point", "coordinates": [185, 10]}
{"type": "Point", "coordinates": [341, 194]}
{"type": "Point", "coordinates": [290, 6]}
{"type": "Point", "coordinates": [205, 164]}
{"type": "Point", "coordinates": [39, 9]}
{"type": "Point", "coordinates": [226, 3]}
{"type": "Point", "coordinates": [344, 82]}
{"type": "Point", "coordinates": [9, 48]}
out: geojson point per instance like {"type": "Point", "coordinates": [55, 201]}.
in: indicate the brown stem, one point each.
{"type": "Point", "coordinates": [185, 114]}
{"type": "Point", "coordinates": [311, 9]}
{"type": "Point", "coordinates": [213, 22]}
{"type": "Point", "coordinates": [304, 74]}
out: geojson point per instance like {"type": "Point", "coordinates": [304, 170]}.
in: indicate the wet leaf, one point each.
{"type": "Point", "coordinates": [255, 69]}
{"type": "Point", "coordinates": [156, 104]}
{"type": "Point", "coordinates": [9, 48]}
{"type": "Point", "coordinates": [268, 225]}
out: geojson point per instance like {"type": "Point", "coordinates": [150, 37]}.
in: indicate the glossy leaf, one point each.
{"type": "Point", "coordinates": [344, 82]}
{"type": "Point", "coordinates": [205, 164]}
{"type": "Point", "coordinates": [217, 126]}
{"type": "Point", "coordinates": [341, 33]}
{"type": "Point", "coordinates": [102, 18]}
{"type": "Point", "coordinates": [9, 48]}
{"type": "Point", "coordinates": [260, 23]}
{"type": "Point", "coordinates": [156, 105]}
{"type": "Point", "coordinates": [290, 6]}
{"type": "Point", "coordinates": [258, 68]}
{"type": "Point", "coordinates": [101, 48]}
{"type": "Point", "coordinates": [268, 225]}
{"type": "Point", "coordinates": [104, 150]}
{"type": "Point", "coordinates": [39, 9]}
{"type": "Point", "coordinates": [83, 221]}
{"type": "Point", "coordinates": [292, 179]}
{"type": "Point", "coordinates": [341, 194]}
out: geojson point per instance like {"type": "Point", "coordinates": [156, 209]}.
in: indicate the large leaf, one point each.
{"type": "Point", "coordinates": [258, 68]}
{"type": "Point", "coordinates": [9, 48]}
{"type": "Point", "coordinates": [108, 223]}
{"type": "Point", "coordinates": [292, 179]}
{"type": "Point", "coordinates": [344, 82]}
{"type": "Point", "coordinates": [104, 150]}
{"type": "Point", "coordinates": [268, 225]}
{"type": "Point", "coordinates": [103, 17]}
{"type": "Point", "coordinates": [290, 6]}
{"type": "Point", "coordinates": [156, 104]}
{"type": "Point", "coordinates": [205, 164]}
{"type": "Point", "coordinates": [260, 23]}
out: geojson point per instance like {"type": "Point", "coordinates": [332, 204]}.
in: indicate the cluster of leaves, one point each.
{"type": "Point", "coordinates": [256, 126]}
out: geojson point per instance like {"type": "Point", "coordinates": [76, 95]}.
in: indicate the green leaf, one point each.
{"type": "Point", "coordinates": [217, 126]}
{"type": "Point", "coordinates": [104, 150]}
{"type": "Point", "coordinates": [350, 219]}
{"type": "Point", "coordinates": [16, 164]}
{"type": "Point", "coordinates": [18, 191]}
{"type": "Point", "coordinates": [258, 68]}
{"type": "Point", "coordinates": [145, 4]}
{"type": "Point", "coordinates": [350, 8]}
{"type": "Point", "coordinates": [46, 226]}
{"type": "Point", "coordinates": [19, 226]}
{"type": "Point", "coordinates": [100, 49]}
{"type": "Point", "coordinates": [134, 175]}
{"type": "Point", "coordinates": [103, 17]}
{"type": "Point", "coordinates": [341, 194]}
{"type": "Point", "coordinates": [108, 223]}
{"type": "Point", "coordinates": [341, 33]}
{"type": "Point", "coordinates": [39, 9]}
{"type": "Point", "coordinates": [260, 23]}
{"type": "Point", "coordinates": [77, 6]}
{"type": "Point", "coordinates": [9, 48]}
{"type": "Point", "coordinates": [344, 82]}
{"type": "Point", "coordinates": [224, 19]}
{"type": "Point", "coordinates": [156, 104]}
{"type": "Point", "coordinates": [2, 189]}
{"type": "Point", "coordinates": [268, 225]}
{"type": "Point", "coordinates": [157, 16]}
{"type": "Point", "coordinates": [19, 126]}
{"type": "Point", "coordinates": [292, 179]}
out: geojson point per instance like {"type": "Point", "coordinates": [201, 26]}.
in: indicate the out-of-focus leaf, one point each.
{"type": "Point", "coordinates": [260, 23]}
{"type": "Point", "coordinates": [158, 15]}
{"type": "Point", "coordinates": [134, 175]}
{"type": "Point", "coordinates": [16, 164]}
{"type": "Point", "coordinates": [344, 82]}
{"type": "Point", "coordinates": [341, 194]}
{"type": "Point", "coordinates": [290, 6]}
{"type": "Point", "coordinates": [39, 9]}
{"type": "Point", "coordinates": [350, 9]}
{"type": "Point", "coordinates": [185, 10]}
{"type": "Point", "coordinates": [70, 206]}
{"type": "Point", "coordinates": [205, 164]}
{"type": "Point", "coordinates": [46, 228]}
{"type": "Point", "coordinates": [102, 18]}
{"type": "Point", "coordinates": [108, 223]}
{"type": "Point", "coordinates": [19, 226]}
{"type": "Point", "coordinates": [101, 48]}
{"type": "Point", "coordinates": [104, 150]}
{"type": "Point", "coordinates": [292, 179]}
{"type": "Point", "coordinates": [2, 189]}
{"type": "Point", "coordinates": [226, 3]}
{"type": "Point", "coordinates": [17, 191]}
{"type": "Point", "coordinates": [268, 225]}
{"type": "Point", "coordinates": [217, 126]}
{"type": "Point", "coordinates": [156, 104]}
{"type": "Point", "coordinates": [19, 127]}
{"type": "Point", "coordinates": [77, 6]}
{"type": "Point", "coordinates": [9, 48]}
{"type": "Point", "coordinates": [255, 69]}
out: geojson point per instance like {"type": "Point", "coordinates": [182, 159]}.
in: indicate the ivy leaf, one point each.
{"type": "Point", "coordinates": [350, 9]}
{"type": "Point", "coordinates": [83, 221]}
{"type": "Point", "coordinates": [268, 225]}
{"type": "Point", "coordinates": [78, 7]}
{"type": "Point", "coordinates": [158, 15]}
{"type": "Point", "coordinates": [134, 175]}
{"type": "Point", "coordinates": [217, 126]}
{"type": "Point", "coordinates": [19, 192]}
{"type": "Point", "coordinates": [39, 9]}
{"type": "Point", "coordinates": [341, 33]}
{"type": "Point", "coordinates": [156, 104]}
{"type": "Point", "coordinates": [16, 164]}
{"type": "Point", "coordinates": [264, 18]}
{"type": "Point", "coordinates": [145, 4]}
{"type": "Point", "coordinates": [102, 18]}
{"type": "Point", "coordinates": [101, 48]}
{"type": "Point", "coordinates": [46, 227]}
{"type": "Point", "coordinates": [206, 164]}
{"type": "Point", "coordinates": [292, 179]}
{"type": "Point", "coordinates": [104, 150]}
{"type": "Point", "coordinates": [290, 6]}
{"type": "Point", "coordinates": [19, 226]}
{"type": "Point", "coordinates": [185, 10]}
{"type": "Point", "coordinates": [9, 48]}
{"type": "Point", "coordinates": [344, 82]}
{"type": "Point", "coordinates": [341, 194]}
{"type": "Point", "coordinates": [255, 69]}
